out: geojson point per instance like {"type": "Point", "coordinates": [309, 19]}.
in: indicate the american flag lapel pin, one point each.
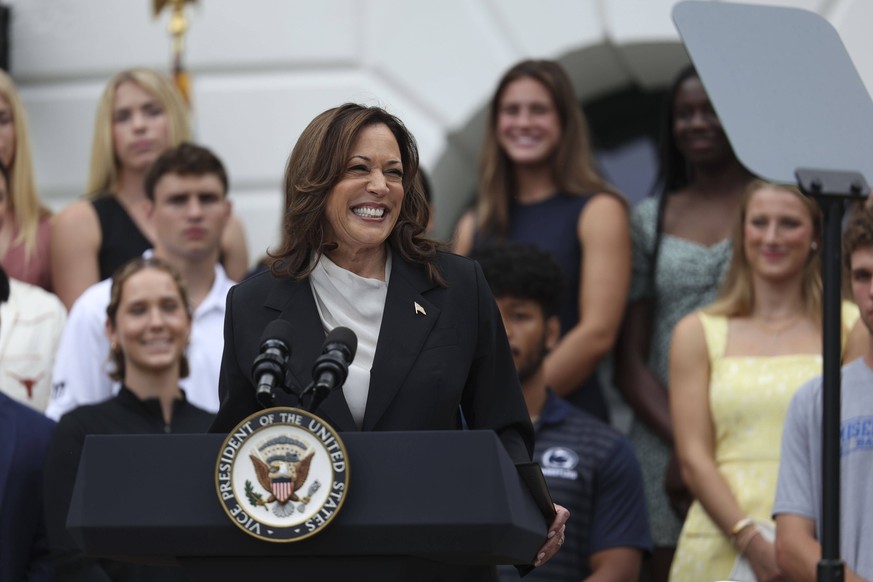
{"type": "Point", "coordinates": [419, 308]}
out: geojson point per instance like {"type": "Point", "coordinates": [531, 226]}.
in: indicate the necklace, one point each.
{"type": "Point", "coordinates": [776, 326]}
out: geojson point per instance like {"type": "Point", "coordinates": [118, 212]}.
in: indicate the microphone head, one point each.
{"type": "Point", "coordinates": [269, 367]}
{"type": "Point", "coordinates": [278, 329]}
{"type": "Point", "coordinates": [346, 338]}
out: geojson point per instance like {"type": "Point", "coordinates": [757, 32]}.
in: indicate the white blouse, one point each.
{"type": "Point", "coordinates": [345, 299]}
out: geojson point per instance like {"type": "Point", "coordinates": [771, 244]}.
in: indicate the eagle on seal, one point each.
{"type": "Point", "coordinates": [282, 477]}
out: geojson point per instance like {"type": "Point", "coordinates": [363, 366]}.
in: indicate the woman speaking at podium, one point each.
{"type": "Point", "coordinates": [431, 344]}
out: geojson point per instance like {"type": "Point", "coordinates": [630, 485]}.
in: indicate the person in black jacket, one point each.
{"type": "Point", "coordinates": [148, 324]}
{"type": "Point", "coordinates": [431, 346]}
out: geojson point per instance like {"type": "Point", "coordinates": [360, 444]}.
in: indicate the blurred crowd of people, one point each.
{"type": "Point", "coordinates": [121, 314]}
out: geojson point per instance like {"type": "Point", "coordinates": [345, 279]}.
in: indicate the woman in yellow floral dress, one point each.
{"type": "Point", "coordinates": [734, 367]}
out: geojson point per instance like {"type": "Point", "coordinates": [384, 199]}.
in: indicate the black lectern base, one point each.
{"type": "Point", "coordinates": [335, 569]}
{"type": "Point", "coordinates": [443, 505]}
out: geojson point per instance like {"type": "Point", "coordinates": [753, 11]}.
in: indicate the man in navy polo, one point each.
{"type": "Point", "coordinates": [590, 468]}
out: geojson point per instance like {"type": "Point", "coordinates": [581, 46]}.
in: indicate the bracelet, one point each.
{"type": "Point", "coordinates": [740, 526]}
{"type": "Point", "coordinates": [745, 539]}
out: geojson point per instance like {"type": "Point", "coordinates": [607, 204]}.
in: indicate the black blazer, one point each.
{"type": "Point", "coordinates": [426, 365]}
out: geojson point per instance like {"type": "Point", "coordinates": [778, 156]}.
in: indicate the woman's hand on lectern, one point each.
{"type": "Point", "coordinates": [556, 536]}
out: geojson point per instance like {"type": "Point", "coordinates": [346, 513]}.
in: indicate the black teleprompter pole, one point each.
{"type": "Point", "coordinates": [831, 190]}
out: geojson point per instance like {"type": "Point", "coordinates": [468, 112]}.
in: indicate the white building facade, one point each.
{"type": "Point", "coordinates": [262, 69]}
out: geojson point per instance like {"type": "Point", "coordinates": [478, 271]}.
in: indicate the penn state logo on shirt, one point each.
{"type": "Point", "coordinates": [282, 474]}
{"type": "Point", "coordinates": [560, 462]}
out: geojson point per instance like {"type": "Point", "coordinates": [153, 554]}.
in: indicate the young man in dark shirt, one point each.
{"type": "Point", "coordinates": [590, 468]}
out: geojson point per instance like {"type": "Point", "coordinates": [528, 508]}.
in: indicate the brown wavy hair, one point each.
{"type": "Point", "coordinates": [573, 167]}
{"type": "Point", "coordinates": [317, 163]}
{"type": "Point", "coordinates": [858, 233]}
{"type": "Point", "coordinates": [119, 278]}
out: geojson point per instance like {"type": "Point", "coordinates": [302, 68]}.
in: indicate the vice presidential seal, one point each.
{"type": "Point", "coordinates": [282, 474]}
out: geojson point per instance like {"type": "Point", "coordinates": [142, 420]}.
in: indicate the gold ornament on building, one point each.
{"type": "Point", "coordinates": [177, 27]}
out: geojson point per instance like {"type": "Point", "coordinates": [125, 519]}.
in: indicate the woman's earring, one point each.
{"type": "Point", "coordinates": [814, 246]}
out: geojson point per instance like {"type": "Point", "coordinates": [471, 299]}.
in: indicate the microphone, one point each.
{"type": "Point", "coordinates": [268, 369]}
{"type": "Point", "coordinates": [331, 368]}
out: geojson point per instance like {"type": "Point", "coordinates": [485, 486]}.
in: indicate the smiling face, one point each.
{"type": "Point", "coordinates": [363, 207]}
{"type": "Point", "coordinates": [778, 233]}
{"type": "Point", "coordinates": [152, 324]}
{"type": "Point", "coordinates": [696, 127]}
{"type": "Point", "coordinates": [528, 125]}
{"type": "Point", "coordinates": [140, 129]}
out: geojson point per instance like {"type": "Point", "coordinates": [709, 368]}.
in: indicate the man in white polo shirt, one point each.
{"type": "Point", "coordinates": [188, 210]}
